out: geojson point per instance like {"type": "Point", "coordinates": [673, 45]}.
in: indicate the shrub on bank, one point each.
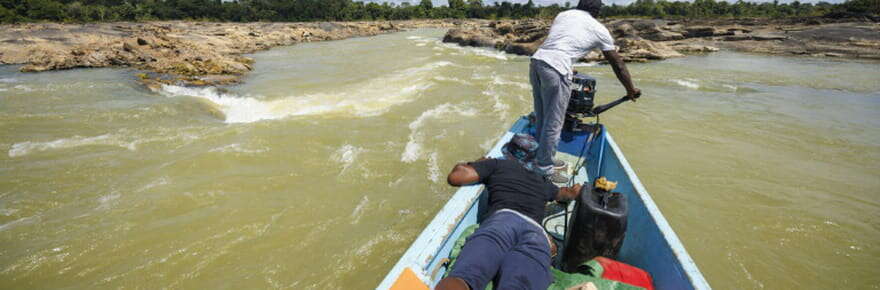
{"type": "Point", "coordinates": [14, 11]}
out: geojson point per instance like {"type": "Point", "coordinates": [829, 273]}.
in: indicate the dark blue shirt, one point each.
{"type": "Point", "coordinates": [512, 186]}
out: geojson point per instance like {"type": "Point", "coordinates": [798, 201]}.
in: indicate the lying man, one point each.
{"type": "Point", "coordinates": [509, 248]}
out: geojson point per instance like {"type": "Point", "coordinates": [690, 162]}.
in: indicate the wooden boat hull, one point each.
{"type": "Point", "coordinates": [650, 242]}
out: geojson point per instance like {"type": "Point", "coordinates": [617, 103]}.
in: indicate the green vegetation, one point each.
{"type": "Point", "coordinates": [13, 11]}
{"type": "Point", "coordinates": [712, 8]}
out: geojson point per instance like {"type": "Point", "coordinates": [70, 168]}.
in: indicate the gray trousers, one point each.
{"type": "Point", "coordinates": [551, 91]}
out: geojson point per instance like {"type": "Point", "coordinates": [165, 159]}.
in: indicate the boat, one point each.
{"type": "Point", "coordinates": [650, 242]}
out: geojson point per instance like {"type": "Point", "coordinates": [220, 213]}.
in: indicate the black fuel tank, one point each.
{"type": "Point", "coordinates": [597, 227]}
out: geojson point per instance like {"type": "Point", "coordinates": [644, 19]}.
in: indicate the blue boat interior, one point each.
{"type": "Point", "coordinates": [649, 244]}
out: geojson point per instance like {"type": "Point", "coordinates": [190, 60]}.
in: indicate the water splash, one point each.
{"type": "Point", "coordinates": [471, 51]}
{"type": "Point", "coordinates": [413, 149]}
{"type": "Point", "coordinates": [688, 83]}
{"type": "Point", "coordinates": [25, 148]}
{"type": "Point", "coordinates": [346, 155]}
{"type": "Point", "coordinates": [434, 167]}
{"type": "Point", "coordinates": [358, 211]}
{"type": "Point", "coordinates": [370, 98]}
{"type": "Point", "coordinates": [238, 148]}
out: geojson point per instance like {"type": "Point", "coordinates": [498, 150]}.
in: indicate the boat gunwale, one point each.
{"type": "Point", "coordinates": [691, 270]}
{"type": "Point", "coordinates": [422, 252]}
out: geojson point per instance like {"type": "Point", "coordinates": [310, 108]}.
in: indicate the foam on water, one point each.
{"type": "Point", "coordinates": [25, 148]}
{"type": "Point", "coordinates": [498, 80]}
{"type": "Point", "coordinates": [238, 148]}
{"type": "Point", "coordinates": [413, 149]}
{"type": "Point", "coordinates": [421, 41]}
{"type": "Point", "coordinates": [359, 210]}
{"type": "Point", "coordinates": [451, 79]}
{"type": "Point", "coordinates": [688, 83]}
{"type": "Point", "coordinates": [499, 106]}
{"type": "Point", "coordinates": [473, 51]}
{"type": "Point", "coordinates": [8, 211]}
{"type": "Point", "coordinates": [18, 222]}
{"type": "Point", "coordinates": [106, 201]}
{"type": "Point", "coordinates": [434, 167]}
{"type": "Point", "coordinates": [164, 180]}
{"type": "Point", "coordinates": [490, 53]}
{"type": "Point", "coordinates": [346, 155]}
{"type": "Point", "coordinates": [369, 98]}
{"type": "Point", "coordinates": [124, 138]}
{"type": "Point", "coordinates": [366, 248]}
{"type": "Point", "coordinates": [23, 88]}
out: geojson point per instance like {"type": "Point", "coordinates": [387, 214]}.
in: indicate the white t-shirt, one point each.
{"type": "Point", "coordinates": [574, 33]}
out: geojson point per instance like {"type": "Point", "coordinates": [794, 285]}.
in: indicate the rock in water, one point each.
{"type": "Point", "coordinates": [528, 48]}
{"type": "Point", "coordinates": [664, 36]}
{"type": "Point", "coordinates": [692, 47]}
{"type": "Point", "coordinates": [524, 37]}
{"type": "Point", "coordinates": [700, 31]}
{"type": "Point", "coordinates": [638, 49]}
{"type": "Point", "coordinates": [470, 38]}
{"type": "Point", "coordinates": [183, 51]}
{"type": "Point", "coordinates": [769, 36]}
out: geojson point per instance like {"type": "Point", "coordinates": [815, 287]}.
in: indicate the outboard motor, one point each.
{"type": "Point", "coordinates": [580, 105]}
{"type": "Point", "coordinates": [597, 227]}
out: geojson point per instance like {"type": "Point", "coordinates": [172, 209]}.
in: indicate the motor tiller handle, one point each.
{"type": "Point", "coordinates": [599, 109]}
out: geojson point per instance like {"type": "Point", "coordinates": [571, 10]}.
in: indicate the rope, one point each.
{"type": "Point", "coordinates": [578, 164]}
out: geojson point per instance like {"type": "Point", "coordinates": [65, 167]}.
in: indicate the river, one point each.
{"type": "Point", "coordinates": [320, 169]}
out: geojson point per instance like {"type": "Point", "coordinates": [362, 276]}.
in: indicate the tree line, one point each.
{"type": "Point", "coordinates": [16, 11]}
{"type": "Point", "coordinates": [712, 8]}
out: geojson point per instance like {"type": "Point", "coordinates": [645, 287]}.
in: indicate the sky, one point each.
{"type": "Point", "coordinates": [574, 2]}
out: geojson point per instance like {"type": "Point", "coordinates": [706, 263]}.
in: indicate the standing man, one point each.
{"type": "Point", "coordinates": [573, 34]}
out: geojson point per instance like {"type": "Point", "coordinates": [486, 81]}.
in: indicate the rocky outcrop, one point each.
{"type": "Point", "coordinates": [640, 49]}
{"type": "Point", "coordinates": [203, 53]}
{"type": "Point", "coordinates": [525, 36]}
{"type": "Point", "coordinates": [693, 48]}
{"type": "Point", "coordinates": [642, 40]}
{"type": "Point", "coordinates": [517, 37]}
{"type": "Point", "coordinates": [196, 53]}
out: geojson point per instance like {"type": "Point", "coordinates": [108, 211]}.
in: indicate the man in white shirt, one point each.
{"type": "Point", "coordinates": [573, 34]}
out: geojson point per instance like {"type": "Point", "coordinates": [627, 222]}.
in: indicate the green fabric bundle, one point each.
{"type": "Point", "coordinates": [561, 280]}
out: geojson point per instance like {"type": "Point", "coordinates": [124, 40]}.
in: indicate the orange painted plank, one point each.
{"type": "Point", "coordinates": [409, 281]}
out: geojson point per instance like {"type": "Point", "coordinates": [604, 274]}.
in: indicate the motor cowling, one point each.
{"type": "Point", "coordinates": [583, 93]}
{"type": "Point", "coordinates": [581, 102]}
{"type": "Point", "coordinates": [597, 227]}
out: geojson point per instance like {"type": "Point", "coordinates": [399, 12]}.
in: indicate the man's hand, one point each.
{"type": "Point", "coordinates": [567, 194]}
{"type": "Point", "coordinates": [577, 189]}
{"type": "Point", "coordinates": [634, 94]}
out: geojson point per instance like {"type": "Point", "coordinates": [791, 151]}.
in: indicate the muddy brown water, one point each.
{"type": "Point", "coordinates": [325, 164]}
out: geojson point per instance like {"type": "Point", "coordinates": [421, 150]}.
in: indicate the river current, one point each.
{"type": "Point", "coordinates": [320, 169]}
